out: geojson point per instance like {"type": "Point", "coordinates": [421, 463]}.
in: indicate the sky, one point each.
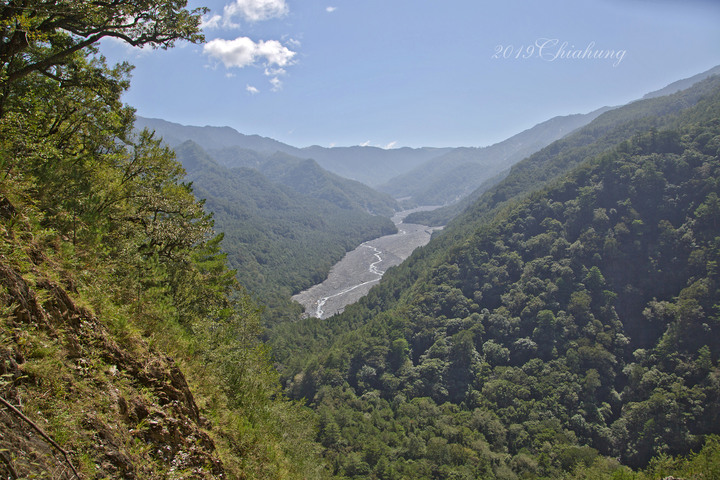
{"type": "Point", "coordinates": [416, 73]}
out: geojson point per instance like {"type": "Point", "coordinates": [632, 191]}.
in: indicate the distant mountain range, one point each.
{"type": "Point", "coordinates": [306, 176]}
{"type": "Point", "coordinates": [419, 176]}
{"type": "Point", "coordinates": [369, 165]}
{"type": "Point", "coordinates": [683, 84]}
{"type": "Point", "coordinates": [413, 176]}
{"type": "Point", "coordinates": [455, 174]}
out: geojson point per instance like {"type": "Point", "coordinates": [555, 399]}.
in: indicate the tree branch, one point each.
{"type": "Point", "coordinates": [42, 434]}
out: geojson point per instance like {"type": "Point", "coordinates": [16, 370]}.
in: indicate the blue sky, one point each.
{"type": "Point", "coordinates": [417, 72]}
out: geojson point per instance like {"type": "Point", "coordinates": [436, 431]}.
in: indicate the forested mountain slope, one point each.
{"type": "Point", "coordinates": [307, 177]}
{"type": "Point", "coordinates": [537, 170]}
{"type": "Point", "coordinates": [279, 240]}
{"type": "Point", "coordinates": [577, 324]}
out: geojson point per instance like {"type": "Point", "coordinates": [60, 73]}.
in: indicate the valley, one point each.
{"type": "Point", "coordinates": [359, 270]}
{"type": "Point", "coordinates": [193, 302]}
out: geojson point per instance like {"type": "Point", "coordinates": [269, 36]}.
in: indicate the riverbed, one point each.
{"type": "Point", "coordinates": [352, 277]}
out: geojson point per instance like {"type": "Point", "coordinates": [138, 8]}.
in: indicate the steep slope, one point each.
{"type": "Point", "coordinates": [280, 241]}
{"type": "Point", "coordinates": [133, 414]}
{"type": "Point", "coordinates": [582, 320]}
{"type": "Point", "coordinates": [127, 348]}
{"type": "Point", "coordinates": [452, 176]}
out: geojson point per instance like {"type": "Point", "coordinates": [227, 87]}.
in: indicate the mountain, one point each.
{"type": "Point", "coordinates": [452, 176]}
{"type": "Point", "coordinates": [369, 165]}
{"type": "Point", "coordinates": [683, 84]}
{"type": "Point", "coordinates": [569, 318]}
{"type": "Point", "coordinates": [280, 240]}
{"type": "Point", "coordinates": [307, 177]}
{"type": "Point", "coordinates": [606, 130]}
{"type": "Point", "coordinates": [372, 165]}
{"type": "Point", "coordinates": [427, 176]}
{"type": "Point", "coordinates": [208, 137]}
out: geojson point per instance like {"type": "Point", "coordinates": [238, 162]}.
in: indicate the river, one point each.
{"type": "Point", "coordinates": [352, 277]}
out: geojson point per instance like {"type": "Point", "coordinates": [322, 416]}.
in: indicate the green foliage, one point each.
{"type": "Point", "coordinates": [578, 324]}
{"type": "Point", "coordinates": [91, 213]}
{"type": "Point", "coordinates": [45, 37]}
{"type": "Point", "coordinates": [281, 240]}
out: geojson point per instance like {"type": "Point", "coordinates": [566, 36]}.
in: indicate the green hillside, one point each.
{"type": "Point", "coordinates": [279, 240]}
{"type": "Point", "coordinates": [307, 177]}
{"type": "Point", "coordinates": [574, 326]}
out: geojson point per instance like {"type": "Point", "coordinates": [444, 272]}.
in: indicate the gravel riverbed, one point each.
{"type": "Point", "coordinates": [352, 277]}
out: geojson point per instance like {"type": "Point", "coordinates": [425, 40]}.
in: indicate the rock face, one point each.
{"type": "Point", "coordinates": [115, 407]}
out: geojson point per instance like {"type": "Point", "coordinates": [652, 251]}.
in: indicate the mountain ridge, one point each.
{"type": "Point", "coordinates": [338, 160]}
{"type": "Point", "coordinates": [466, 168]}
{"type": "Point", "coordinates": [378, 167]}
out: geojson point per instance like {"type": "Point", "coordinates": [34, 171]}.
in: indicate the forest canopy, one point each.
{"type": "Point", "coordinates": [569, 326]}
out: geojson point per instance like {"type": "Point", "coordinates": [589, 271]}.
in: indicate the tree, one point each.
{"type": "Point", "coordinates": [43, 36]}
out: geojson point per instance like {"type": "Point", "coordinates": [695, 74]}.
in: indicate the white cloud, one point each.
{"type": "Point", "coordinates": [129, 50]}
{"type": "Point", "coordinates": [276, 84]}
{"type": "Point", "coordinates": [365, 144]}
{"type": "Point", "coordinates": [243, 52]}
{"type": "Point", "coordinates": [251, 89]}
{"type": "Point", "coordinates": [330, 9]}
{"type": "Point", "coordinates": [274, 72]}
{"type": "Point", "coordinates": [254, 10]}
{"type": "Point", "coordinates": [275, 53]}
{"type": "Point", "coordinates": [390, 145]}
{"type": "Point", "coordinates": [292, 42]}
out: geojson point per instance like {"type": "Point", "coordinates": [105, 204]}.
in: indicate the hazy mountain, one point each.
{"type": "Point", "coordinates": [369, 165]}
{"type": "Point", "coordinates": [450, 177]}
{"type": "Point", "coordinates": [684, 83]}
{"type": "Point", "coordinates": [208, 136]}
{"type": "Point", "coordinates": [306, 176]}
{"type": "Point", "coordinates": [427, 175]}
{"type": "Point", "coordinates": [577, 146]}
{"type": "Point", "coordinates": [372, 165]}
